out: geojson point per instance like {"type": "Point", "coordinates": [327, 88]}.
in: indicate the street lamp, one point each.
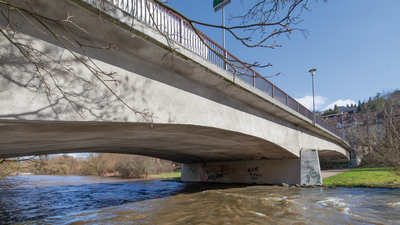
{"type": "Point", "coordinates": [312, 75]}
{"type": "Point", "coordinates": [342, 126]}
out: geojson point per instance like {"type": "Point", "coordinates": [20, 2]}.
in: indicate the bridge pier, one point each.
{"type": "Point", "coordinates": [304, 170]}
{"type": "Point", "coordinates": [310, 167]}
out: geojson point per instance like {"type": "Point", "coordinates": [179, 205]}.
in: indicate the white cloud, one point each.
{"type": "Point", "coordinates": [307, 101]}
{"type": "Point", "coordinates": [339, 102]}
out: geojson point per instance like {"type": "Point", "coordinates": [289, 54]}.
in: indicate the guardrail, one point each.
{"type": "Point", "coordinates": [178, 29]}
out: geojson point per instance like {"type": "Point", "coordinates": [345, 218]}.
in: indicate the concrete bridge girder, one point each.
{"type": "Point", "coordinates": [175, 142]}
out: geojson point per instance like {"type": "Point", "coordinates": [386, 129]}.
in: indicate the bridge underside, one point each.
{"type": "Point", "coordinates": [180, 143]}
{"type": "Point", "coordinates": [209, 154]}
{"type": "Point", "coordinates": [331, 157]}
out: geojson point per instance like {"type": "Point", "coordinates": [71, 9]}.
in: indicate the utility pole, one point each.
{"type": "Point", "coordinates": [223, 24]}
{"type": "Point", "coordinates": [220, 4]}
{"type": "Point", "coordinates": [312, 71]}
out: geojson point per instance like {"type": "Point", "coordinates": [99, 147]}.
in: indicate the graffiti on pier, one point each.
{"type": "Point", "coordinates": [254, 173]}
{"type": "Point", "coordinates": [202, 177]}
{"type": "Point", "coordinates": [313, 177]}
{"type": "Point", "coordinates": [211, 172]}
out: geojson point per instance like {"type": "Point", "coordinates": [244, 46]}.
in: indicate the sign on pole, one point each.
{"type": "Point", "coordinates": [218, 4]}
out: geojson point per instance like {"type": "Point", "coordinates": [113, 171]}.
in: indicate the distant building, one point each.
{"type": "Point", "coordinates": [342, 111]}
{"type": "Point", "coordinates": [333, 116]}
{"type": "Point", "coordinates": [347, 119]}
{"type": "Point", "coordinates": [348, 110]}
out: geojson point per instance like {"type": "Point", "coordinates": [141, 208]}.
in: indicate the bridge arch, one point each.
{"type": "Point", "coordinates": [175, 142]}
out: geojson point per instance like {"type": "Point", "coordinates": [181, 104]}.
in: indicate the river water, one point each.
{"type": "Point", "coordinates": [100, 200]}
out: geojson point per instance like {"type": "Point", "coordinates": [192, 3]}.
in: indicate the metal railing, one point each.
{"type": "Point", "coordinates": [178, 29]}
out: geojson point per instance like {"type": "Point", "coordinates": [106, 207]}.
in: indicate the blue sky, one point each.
{"type": "Point", "coordinates": [353, 44]}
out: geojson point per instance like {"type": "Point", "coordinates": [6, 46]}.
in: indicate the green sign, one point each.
{"type": "Point", "coordinates": [218, 4]}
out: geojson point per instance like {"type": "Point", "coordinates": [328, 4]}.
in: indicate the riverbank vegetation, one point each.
{"type": "Point", "coordinates": [7, 168]}
{"type": "Point", "coordinates": [375, 132]}
{"type": "Point", "coordinates": [102, 164]}
{"type": "Point", "coordinates": [174, 175]}
{"type": "Point", "coordinates": [379, 177]}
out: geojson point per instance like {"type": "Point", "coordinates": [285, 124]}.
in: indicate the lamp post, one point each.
{"type": "Point", "coordinates": [223, 29]}
{"type": "Point", "coordinates": [312, 71]}
{"type": "Point", "coordinates": [342, 126]}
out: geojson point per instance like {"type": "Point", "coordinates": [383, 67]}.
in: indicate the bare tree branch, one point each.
{"type": "Point", "coordinates": [34, 56]}
{"type": "Point", "coordinates": [264, 15]}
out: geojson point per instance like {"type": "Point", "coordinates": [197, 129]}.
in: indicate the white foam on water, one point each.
{"type": "Point", "coordinates": [346, 211]}
{"type": "Point", "coordinates": [259, 214]}
{"type": "Point", "coordinates": [276, 198]}
{"type": "Point", "coordinates": [394, 204]}
{"type": "Point", "coordinates": [332, 202]}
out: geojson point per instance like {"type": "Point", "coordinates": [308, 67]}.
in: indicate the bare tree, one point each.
{"type": "Point", "coordinates": [46, 65]}
{"type": "Point", "coordinates": [102, 162]}
{"type": "Point", "coordinates": [262, 22]}
{"type": "Point", "coordinates": [12, 166]}
{"type": "Point", "coordinates": [7, 167]}
{"type": "Point", "coordinates": [377, 137]}
{"type": "Point", "coordinates": [134, 166]}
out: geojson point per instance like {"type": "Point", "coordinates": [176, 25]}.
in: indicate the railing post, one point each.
{"type": "Point", "coordinates": [273, 91]}
{"type": "Point", "coordinates": [254, 78]}
{"type": "Point", "coordinates": [287, 100]}
{"type": "Point", "coordinates": [226, 58]}
{"type": "Point", "coordinates": [180, 31]}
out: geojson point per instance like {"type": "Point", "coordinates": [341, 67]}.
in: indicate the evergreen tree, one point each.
{"type": "Point", "coordinates": [377, 96]}
{"type": "Point", "coordinates": [359, 107]}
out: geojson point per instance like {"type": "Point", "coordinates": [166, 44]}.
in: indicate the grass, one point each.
{"type": "Point", "coordinates": [365, 177]}
{"type": "Point", "coordinates": [174, 175]}
{"type": "Point", "coordinates": [359, 177]}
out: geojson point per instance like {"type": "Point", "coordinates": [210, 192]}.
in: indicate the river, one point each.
{"type": "Point", "coordinates": [102, 200]}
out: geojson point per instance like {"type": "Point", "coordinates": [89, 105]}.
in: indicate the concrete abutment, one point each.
{"type": "Point", "coordinates": [304, 170]}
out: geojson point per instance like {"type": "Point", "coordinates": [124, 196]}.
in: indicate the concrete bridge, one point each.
{"type": "Point", "coordinates": [223, 127]}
